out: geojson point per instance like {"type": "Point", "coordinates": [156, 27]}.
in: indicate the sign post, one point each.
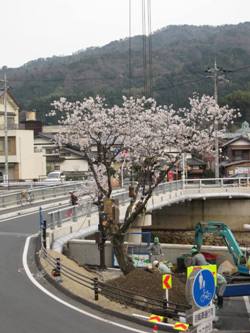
{"type": "Point", "coordinates": [200, 291]}
{"type": "Point", "coordinates": [166, 283]}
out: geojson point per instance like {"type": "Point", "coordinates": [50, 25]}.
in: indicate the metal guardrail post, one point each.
{"type": "Point", "coordinates": [59, 220]}
{"type": "Point", "coordinates": [56, 272]}
{"type": "Point", "coordinates": [58, 266]}
{"type": "Point", "coordinates": [44, 238]}
{"type": "Point", "coordinates": [74, 213]}
{"type": "Point", "coordinates": [96, 291]}
{"type": "Point", "coordinates": [52, 221]}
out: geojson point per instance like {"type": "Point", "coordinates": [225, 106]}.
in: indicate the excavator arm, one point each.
{"type": "Point", "coordinates": [222, 230]}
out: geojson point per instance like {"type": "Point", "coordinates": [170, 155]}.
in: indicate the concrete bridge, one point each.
{"type": "Point", "coordinates": [177, 205]}
{"type": "Point", "coordinates": [180, 205]}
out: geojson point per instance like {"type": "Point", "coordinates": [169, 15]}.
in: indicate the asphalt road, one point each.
{"type": "Point", "coordinates": [25, 308]}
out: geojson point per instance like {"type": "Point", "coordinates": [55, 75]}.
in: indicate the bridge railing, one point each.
{"type": "Point", "coordinates": [71, 213]}
{"type": "Point", "coordinates": [56, 218]}
{"type": "Point", "coordinates": [17, 199]}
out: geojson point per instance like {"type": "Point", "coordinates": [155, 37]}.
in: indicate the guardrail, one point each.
{"type": "Point", "coordinates": [123, 296]}
{"type": "Point", "coordinates": [59, 269]}
{"type": "Point", "coordinates": [33, 195]}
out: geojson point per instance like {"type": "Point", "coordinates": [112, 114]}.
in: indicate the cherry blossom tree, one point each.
{"type": "Point", "coordinates": [153, 137]}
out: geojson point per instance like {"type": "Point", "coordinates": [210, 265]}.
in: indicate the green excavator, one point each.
{"type": "Point", "coordinates": [220, 229]}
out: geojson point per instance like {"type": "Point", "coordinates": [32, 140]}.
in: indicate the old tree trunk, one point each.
{"type": "Point", "coordinates": [120, 250]}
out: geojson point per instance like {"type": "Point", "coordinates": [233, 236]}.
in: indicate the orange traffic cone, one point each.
{"type": "Point", "coordinates": [155, 329]}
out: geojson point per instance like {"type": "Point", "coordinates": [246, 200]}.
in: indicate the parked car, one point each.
{"type": "Point", "coordinates": [55, 177]}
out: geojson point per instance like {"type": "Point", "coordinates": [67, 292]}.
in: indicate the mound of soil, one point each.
{"type": "Point", "coordinates": [149, 284]}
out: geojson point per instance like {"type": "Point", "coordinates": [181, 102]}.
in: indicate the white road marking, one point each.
{"type": "Point", "coordinates": [39, 286]}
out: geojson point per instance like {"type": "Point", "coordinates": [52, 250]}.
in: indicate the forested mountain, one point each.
{"type": "Point", "coordinates": [180, 57]}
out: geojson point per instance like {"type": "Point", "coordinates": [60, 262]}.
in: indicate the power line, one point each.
{"type": "Point", "coordinates": [182, 84]}
{"type": "Point", "coordinates": [150, 61]}
{"type": "Point", "coordinates": [166, 76]}
{"type": "Point", "coordinates": [144, 48]}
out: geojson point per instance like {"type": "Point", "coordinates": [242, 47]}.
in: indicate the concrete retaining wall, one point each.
{"type": "Point", "coordinates": [185, 215]}
{"type": "Point", "coordinates": [70, 228]}
{"type": "Point", "coordinates": [86, 251]}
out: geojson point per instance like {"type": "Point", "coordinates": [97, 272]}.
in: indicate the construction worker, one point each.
{"type": "Point", "coordinates": [164, 269]}
{"type": "Point", "coordinates": [198, 258]}
{"type": "Point", "coordinates": [221, 284]}
{"type": "Point", "coordinates": [155, 251]}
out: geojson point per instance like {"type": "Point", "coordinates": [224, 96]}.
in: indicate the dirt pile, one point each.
{"type": "Point", "coordinates": [149, 284]}
{"type": "Point", "coordinates": [187, 237]}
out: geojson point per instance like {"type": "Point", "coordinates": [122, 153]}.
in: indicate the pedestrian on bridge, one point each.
{"type": "Point", "coordinates": [73, 199]}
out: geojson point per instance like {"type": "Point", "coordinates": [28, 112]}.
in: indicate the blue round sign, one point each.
{"type": "Point", "coordinates": [203, 289]}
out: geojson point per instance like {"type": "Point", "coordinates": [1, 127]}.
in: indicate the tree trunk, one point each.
{"type": "Point", "coordinates": [124, 261]}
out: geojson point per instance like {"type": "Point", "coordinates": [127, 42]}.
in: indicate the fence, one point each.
{"type": "Point", "coordinates": [123, 296]}
{"type": "Point", "coordinates": [15, 199]}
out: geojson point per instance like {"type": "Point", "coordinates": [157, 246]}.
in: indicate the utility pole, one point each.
{"type": "Point", "coordinates": [217, 74]}
{"type": "Point", "coordinates": [6, 164]}
{"type": "Point", "coordinates": [6, 150]}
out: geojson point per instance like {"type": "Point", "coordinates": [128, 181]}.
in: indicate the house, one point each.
{"type": "Point", "coordinates": [23, 161]}
{"type": "Point", "coordinates": [67, 159]}
{"type": "Point", "coordinates": [195, 167]}
{"type": "Point", "coordinates": [236, 156]}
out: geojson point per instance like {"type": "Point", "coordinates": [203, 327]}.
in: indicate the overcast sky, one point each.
{"type": "Point", "coordinates": [32, 29]}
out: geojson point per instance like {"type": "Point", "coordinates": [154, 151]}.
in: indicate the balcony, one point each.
{"type": "Point", "coordinates": [13, 127]}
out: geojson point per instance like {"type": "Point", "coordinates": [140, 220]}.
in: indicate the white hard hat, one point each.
{"type": "Point", "coordinates": [155, 262]}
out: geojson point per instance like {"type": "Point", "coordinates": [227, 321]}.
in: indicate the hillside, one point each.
{"type": "Point", "coordinates": [181, 54]}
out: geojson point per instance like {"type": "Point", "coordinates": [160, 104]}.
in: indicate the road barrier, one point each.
{"type": "Point", "coordinates": [123, 296]}
{"type": "Point", "coordinates": [81, 279]}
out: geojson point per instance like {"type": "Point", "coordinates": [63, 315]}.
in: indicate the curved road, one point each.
{"type": "Point", "coordinates": [25, 308]}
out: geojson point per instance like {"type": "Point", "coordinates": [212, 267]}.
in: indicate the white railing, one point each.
{"type": "Point", "coordinates": [165, 193]}
{"type": "Point", "coordinates": [15, 199]}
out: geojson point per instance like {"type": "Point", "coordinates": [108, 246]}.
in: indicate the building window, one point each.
{"type": "Point", "coordinates": [1, 147]}
{"type": "Point", "coordinates": [11, 122]}
{"type": "Point", "coordinates": [237, 155]}
{"type": "Point", "coordinates": [11, 146]}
